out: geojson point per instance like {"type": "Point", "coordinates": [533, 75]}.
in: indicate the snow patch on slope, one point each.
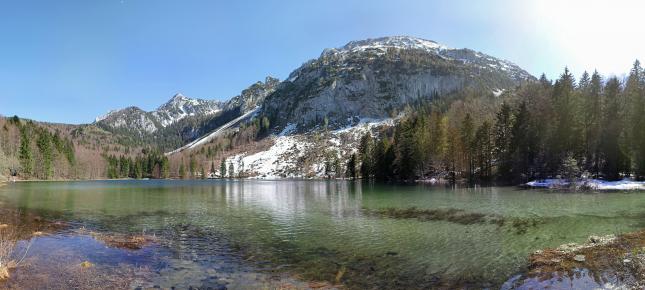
{"type": "Point", "coordinates": [381, 45]}
{"type": "Point", "coordinates": [281, 159]}
{"type": "Point", "coordinates": [276, 162]}
{"type": "Point", "coordinates": [217, 132]}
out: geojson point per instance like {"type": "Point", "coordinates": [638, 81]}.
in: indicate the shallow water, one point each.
{"type": "Point", "coordinates": [249, 231]}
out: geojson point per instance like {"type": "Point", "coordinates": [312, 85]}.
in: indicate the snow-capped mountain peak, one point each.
{"type": "Point", "coordinates": [178, 97]}
{"type": "Point", "coordinates": [382, 44]}
{"type": "Point", "coordinates": [400, 42]}
{"type": "Point", "coordinates": [180, 106]}
{"type": "Point", "coordinates": [177, 108]}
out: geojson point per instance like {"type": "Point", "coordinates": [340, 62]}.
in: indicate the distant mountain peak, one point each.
{"type": "Point", "coordinates": [368, 78]}
{"type": "Point", "coordinates": [382, 44]}
{"type": "Point", "coordinates": [179, 107]}
{"type": "Point", "coordinates": [179, 96]}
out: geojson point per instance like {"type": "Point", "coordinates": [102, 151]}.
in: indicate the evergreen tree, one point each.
{"type": "Point", "coordinates": [565, 136]}
{"type": "Point", "coordinates": [45, 149]}
{"type": "Point", "coordinates": [222, 168]}
{"type": "Point", "coordinates": [467, 136]}
{"type": "Point", "coordinates": [405, 148]}
{"type": "Point", "coordinates": [26, 159]}
{"type": "Point", "coordinates": [483, 151]}
{"type": "Point", "coordinates": [384, 159]}
{"type": "Point", "coordinates": [438, 143]}
{"type": "Point", "coordinates": [614, 157]}
{"type": "Point", "coordinates": [365, 150]}
{"type": "Point", "coordinates": [522, 145]}
{"type": "Point", "coordinates": [503, 136]}
{"type": "Point", "coordinates": [635, 99]}
{"type": "Point", "coordinates": [592, 108]}
{"type": "Point", "coordinates": [351, 167]}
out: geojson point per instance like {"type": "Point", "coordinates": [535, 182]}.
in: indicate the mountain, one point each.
{"type": "Point", "coordinates": [319, 114]}
{"type": "Point", "coordinates": [177, 108]}
{"type": "Point", "coordinates": [180, 107]}
{"type": "Point", "coordinates": [373, 78]}
{"type": "Point", "coordinates": [183, 119]}
{"type": "Point", "coordinates": [317, 117]}
{"type": "Point", "coordinates": [129, 119]}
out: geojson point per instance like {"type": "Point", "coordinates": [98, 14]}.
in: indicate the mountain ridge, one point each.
{"type": "Point", "coordinates": [373, 77]}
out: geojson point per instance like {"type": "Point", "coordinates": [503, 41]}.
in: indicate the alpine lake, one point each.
{"type": "Point", "coordinates": [262, 234]}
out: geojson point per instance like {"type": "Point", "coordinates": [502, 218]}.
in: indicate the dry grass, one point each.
{"type": "Point", "coordinates": [9, 259]}
{"type": "Point", "coordinates": [16, 226]}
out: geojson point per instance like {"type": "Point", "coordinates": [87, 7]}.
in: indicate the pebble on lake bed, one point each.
{"type": "Point", "coordinates": [579, 258]}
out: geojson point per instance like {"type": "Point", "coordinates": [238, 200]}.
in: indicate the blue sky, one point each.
{"type": "Point", "coordinates": [69, 61]}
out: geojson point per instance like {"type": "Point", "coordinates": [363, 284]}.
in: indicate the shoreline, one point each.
{"type": "Point", "coordinates": [616, 260]}
{"type": "Point", "coordinates": [586, 184]}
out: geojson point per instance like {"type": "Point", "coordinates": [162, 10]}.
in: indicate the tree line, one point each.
{"type": "Point", "coordinates": [41, 153]}
{"type": "Point", "coordinates": [150, 164]}
{"type": "Point", "coordinates": [590, 127]}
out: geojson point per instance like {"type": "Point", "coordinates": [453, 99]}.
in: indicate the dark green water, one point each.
{"type": "Point", "coordinates": [318, 228]}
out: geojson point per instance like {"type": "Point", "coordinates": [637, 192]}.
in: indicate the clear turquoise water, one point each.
{"type": "Point", "coordinates": [317, 228]}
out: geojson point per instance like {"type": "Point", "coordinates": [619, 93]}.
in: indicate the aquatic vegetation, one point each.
{"type": "Point", "coordinates": [122, 241]}
{"type": "Point", "coordinates": [521, 225]}
{"type": "Point", "coordinates": [453, 215]}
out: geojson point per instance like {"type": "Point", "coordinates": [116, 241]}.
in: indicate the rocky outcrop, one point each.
{"type": "Point", "coordinates": [374, 78]}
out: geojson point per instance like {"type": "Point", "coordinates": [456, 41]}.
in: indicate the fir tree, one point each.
{"type": "Point", "coordinates": [614, 157]}
{"type": "Point", "coordinates": [26, 159]}
{"type": "Point", "coordinates": [222, 168]}
{"type": "Point", "coordinates": [467, 136]}
{"type": "Point", "coordinates": [503, 138]}
{"type": "Point", "coordinates": [351, 167]}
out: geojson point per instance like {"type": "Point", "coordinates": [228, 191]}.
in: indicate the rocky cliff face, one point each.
{"type": "Point", "coordinates": [252, 96]}
{"type": "Point", "coordinates": [130, 119]}
{"type": "Point", "coordinates": [372, 78]}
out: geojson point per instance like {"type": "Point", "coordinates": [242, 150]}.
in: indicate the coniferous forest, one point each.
{"type": "Point", "coordinates": [593, 126]}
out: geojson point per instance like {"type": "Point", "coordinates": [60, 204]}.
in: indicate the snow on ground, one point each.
{"type": "Point", "coordinates": [290, 128]}
{"type": "Point", "coordinates": [276, 162]}
{"type": "Point", "coordinates": [593, 184]}
{"type": "Point", "coordinates": [498, 92]}
{"type": "Point", "coordinates": [548, 183]}
{"type": "Point", "coordinates": [625, 184]}
{"type": "Point", "coordinates": [215, 133]}
{"type": "Point", "coordinates": [282, 159]}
